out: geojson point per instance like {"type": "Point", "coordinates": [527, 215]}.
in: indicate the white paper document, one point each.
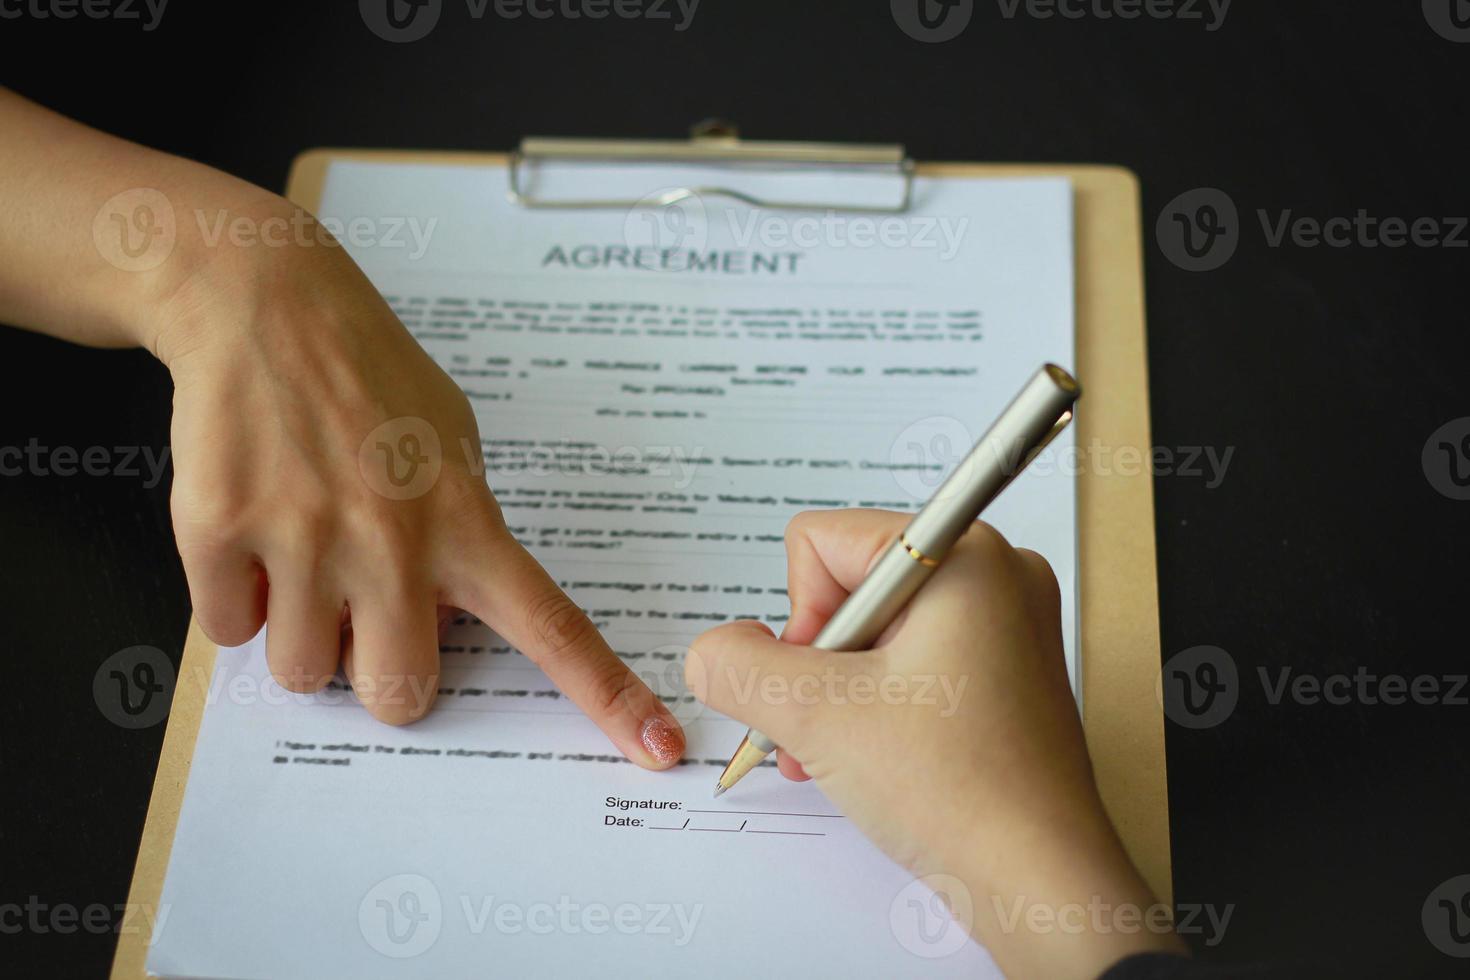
{"type": "Point", "coordinates": [658, 392]}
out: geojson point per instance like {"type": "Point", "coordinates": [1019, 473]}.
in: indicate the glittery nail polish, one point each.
{"type": "Point", "coordinates": [663, 741]}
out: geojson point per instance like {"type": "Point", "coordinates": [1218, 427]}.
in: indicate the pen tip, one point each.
{"type": "Point", "coordinates": [719, 788]}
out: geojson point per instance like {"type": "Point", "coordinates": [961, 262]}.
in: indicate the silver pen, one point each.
{"type": "Point", "coordinates": [1032, 419]}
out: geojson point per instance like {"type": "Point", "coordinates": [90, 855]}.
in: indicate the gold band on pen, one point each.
{"type": "Point", "coordinates": [918, 555]}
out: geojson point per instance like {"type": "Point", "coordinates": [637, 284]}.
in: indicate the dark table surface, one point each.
{"type": "Point", "coordinates": [1327, 547]}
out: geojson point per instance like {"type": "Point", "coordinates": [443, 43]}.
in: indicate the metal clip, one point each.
{"type": "Point", "coordinates": [712, 142]}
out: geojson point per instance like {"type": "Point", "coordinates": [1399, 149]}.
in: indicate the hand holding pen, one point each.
{"type": "Point", "coordinates": [940, 719]}
{"type": "Point", "coordinates": [1038, 413]}
{"type": "Point", "coordinates": [953, 742]}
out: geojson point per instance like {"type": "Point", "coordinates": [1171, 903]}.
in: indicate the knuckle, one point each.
{"type": "Point", "coordinates": [613, 689]}
{"type": "Point", "coordinates": [986, 540]}
{"type": "Point", "coordinates": [467, 495]}
{"type": "Point", "coordinates": [799, 524]}
{"type": "Point", "coordinates": [304, 528]}
{"type": "Point", "coordinates": [385, 537]}
{"type": "Point", "coordinates": [1042, 578]}
{"type": "Point", "coordinates": [482, 535]}
{"type": "Point", "coordinates": [202, 521]}
{"type": "Point", "coordinates": [558, 625]}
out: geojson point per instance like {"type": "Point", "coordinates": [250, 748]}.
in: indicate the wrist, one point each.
{"type": "Point", "coordinates": [1054, 894]}
{"type": "Point", "coordinates": [217, 257]}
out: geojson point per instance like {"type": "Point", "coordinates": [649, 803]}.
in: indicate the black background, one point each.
{"type": "Point", "coordinates": [1326, 369]}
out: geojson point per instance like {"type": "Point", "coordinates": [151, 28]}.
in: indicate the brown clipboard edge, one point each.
{"type": "Point", "coordinates": [1118, 572]}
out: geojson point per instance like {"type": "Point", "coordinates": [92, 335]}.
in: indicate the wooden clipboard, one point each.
{"type": "Point", "coordinates": [1117, 580]}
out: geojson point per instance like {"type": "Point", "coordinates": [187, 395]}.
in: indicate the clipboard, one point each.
{"type": "Point", "coordinates": [1117, 571]}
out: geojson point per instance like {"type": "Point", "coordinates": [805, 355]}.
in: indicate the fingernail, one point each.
{"type": "Point", "coordinates": [663, 741]}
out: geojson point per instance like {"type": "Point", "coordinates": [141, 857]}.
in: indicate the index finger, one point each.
{"type": "Point", "coordinates": [512, 594]}
{"type": "Point", "coordinates": [827, 555]}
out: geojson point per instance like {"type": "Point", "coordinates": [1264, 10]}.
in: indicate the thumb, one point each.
{"type": "Point", "coordinates": [743, 671]}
